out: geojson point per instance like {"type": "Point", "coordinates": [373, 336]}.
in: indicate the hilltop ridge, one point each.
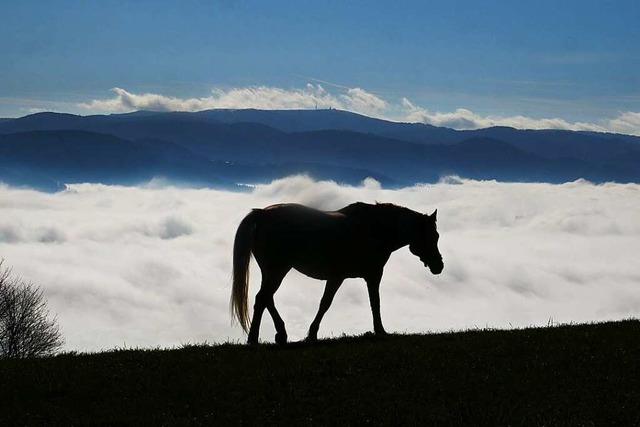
{"type": "Point", "coordinates": [566, 375]}
{"type": "Point", "coordinates": [222, 147]}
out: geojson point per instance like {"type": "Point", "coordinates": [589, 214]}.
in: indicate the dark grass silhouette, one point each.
{"type": "Point", "coordinates": [586, 375]}
{"type": "Point", "coordinates": [355, 241]}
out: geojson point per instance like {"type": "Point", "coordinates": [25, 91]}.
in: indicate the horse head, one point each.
{"type": "Point", "coordinates": [425, 243]}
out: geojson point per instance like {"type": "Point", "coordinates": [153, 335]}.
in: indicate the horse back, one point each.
{"type": "Point", "coordinates": [318, 243]}
{"type": "Point", "coordinates": [288, 222]}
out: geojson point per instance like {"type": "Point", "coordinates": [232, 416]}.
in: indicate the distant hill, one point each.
{"type": "Point", "coordinates": [48, 159]}
{"type": "Point", "coordinates": [588, 146]}
{"type": "Point", "coordinates": [557, 144]}
{"type": "Point", "coordinates": [45, 159]}
{"type": "Point", "coordinates": [222, 146]}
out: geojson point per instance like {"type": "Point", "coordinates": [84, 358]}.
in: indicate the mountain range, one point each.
{"type": "Point", "coordinates": [225, 147]}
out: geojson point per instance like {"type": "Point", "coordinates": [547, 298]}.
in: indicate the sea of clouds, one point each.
{"type": "Point", "coordinates": [151, 266]}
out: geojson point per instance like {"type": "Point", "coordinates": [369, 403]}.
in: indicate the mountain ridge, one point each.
{"type": "Point", "coordinates": [357, 145]}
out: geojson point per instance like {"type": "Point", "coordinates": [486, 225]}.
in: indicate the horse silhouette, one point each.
{"type": "Point", "coordinates": [355, 241]}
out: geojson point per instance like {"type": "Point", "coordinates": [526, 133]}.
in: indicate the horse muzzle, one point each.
{"type": "Point", "coordinates": [435, 267]}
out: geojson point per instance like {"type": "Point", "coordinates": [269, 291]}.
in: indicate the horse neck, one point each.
{"type": "Point", "coordinates": [399, 225]}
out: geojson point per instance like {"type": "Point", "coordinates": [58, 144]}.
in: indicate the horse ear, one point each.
{"type": "Point", "coordinates": [434, 215]}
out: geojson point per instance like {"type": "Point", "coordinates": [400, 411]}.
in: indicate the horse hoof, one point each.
{"type": "Point", "coordinates": [311, 339]}
{"type": "Point", "coordinates": [281, 338]}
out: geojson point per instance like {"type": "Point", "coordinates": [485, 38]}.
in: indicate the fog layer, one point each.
{"type": "Point", "coordinates": [141, 267]}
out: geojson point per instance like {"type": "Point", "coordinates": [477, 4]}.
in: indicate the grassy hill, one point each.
{"type": "Point", "coordinates": [567, 375]}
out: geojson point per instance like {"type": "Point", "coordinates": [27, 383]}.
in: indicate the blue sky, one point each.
{"type": "Point", "coordinates": [573, 63]}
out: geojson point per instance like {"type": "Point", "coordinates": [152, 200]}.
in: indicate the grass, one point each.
{"type": "Point", "coordinates": [582, 375]}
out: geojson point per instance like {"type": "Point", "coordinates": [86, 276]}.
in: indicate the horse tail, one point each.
{"type": "Point", "coordinates": [241, 257]}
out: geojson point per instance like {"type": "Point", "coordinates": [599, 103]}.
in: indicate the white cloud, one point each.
{"type": "Point", "coordinates": [462, 118]}
{"type": "Point", "coordinates": [628, 122]}
{"type": "Point", "coordinates": [261, 97]}
{"type": "Point", "coordinates": [361, 101]}
{"type": "Point", "coordinates": [151, 266]}
{"type": "Point", "coordinates": [352, 99]}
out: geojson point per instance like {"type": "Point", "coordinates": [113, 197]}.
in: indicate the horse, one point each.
{"type": "Point", "coordinates": [353, 242]}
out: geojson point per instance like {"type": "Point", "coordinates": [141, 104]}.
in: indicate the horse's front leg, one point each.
{"type": "Point", "coordinates": [327, 297]}
{"type": "Point", "coordinates": [373, 286]}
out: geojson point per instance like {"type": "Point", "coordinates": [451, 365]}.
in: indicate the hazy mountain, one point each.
{"type": "Point", "coordinates": [557, 144]}
{"type": "Point", "coordinates": [43, 158]}
{"type": "Point", "coordinates": [312, 120]}
{"type": "Point", "coordinates": [237, 126]}
{"type": "Point", "coordinates": [588, 146]}
{"type": "Point", "coordinates": [554, 144]}
{"type": "Point", "coordinates": [48, 159]}
{"type": "Point", "coordinates": [216, 147]}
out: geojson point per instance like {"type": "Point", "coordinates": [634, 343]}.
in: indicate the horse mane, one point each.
{"type": "Point", "coordinates": [391, 207]}
{"type": "Point", "coordinates": [383, 213]}
{"type": "Point", "coordinates": [392, 212]}
{"type": "Point", "coordinates": [397, 223]}
{"type": "Point", "coordinates": [383, 208]}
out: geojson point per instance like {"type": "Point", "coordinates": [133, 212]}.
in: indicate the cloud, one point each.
{"type": "Point", "coordinates": [133, 266]}
{"type": "Point", "coordinates": [462, 118]}
{"type": "Point", "coordinates": [261, 97]}
{"type": "Point", "coordinates": [352, 99]}
{"type": "Point", "coordinates": [359, 100]}
{"type": "Point", "coordinates": [628, 122]}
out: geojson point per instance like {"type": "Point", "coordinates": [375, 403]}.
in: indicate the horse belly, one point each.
{"type": "Point", "coordinates": [321, 247]}
{"type": "Point", "coordinates": [333, 264]}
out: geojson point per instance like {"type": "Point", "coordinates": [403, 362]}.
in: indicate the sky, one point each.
{"type": "Point", "coordinates": [570, 64]}
{"type": "Point", "coordinates": [150, 266]}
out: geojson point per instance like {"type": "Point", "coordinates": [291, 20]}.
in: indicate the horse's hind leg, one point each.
{"type": "Point", "coordinates": [264, 299]}
{"type": "Point", "coordinates": [281, 332]}
{"type": "Point", "coordinates": [258, 309]}
{"type": "Point", "coordinates": [327, 298]}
